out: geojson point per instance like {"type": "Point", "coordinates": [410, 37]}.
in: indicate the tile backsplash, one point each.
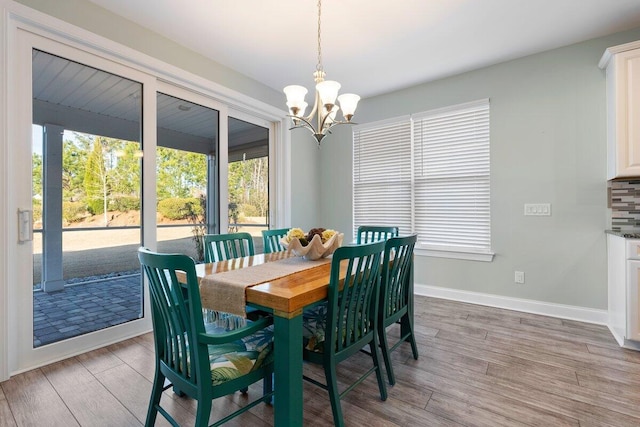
{"type": "Point", "coordinates": [624, 200]}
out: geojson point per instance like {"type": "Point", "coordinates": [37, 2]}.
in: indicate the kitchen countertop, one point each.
{"type": "Point", "coordinates": [627, 234]}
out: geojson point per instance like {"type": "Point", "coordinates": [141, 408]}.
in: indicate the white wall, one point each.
{"type": "Point", "coordinates": [548, 144]}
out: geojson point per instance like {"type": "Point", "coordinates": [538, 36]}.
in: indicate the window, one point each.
{"type": "Point", "coordinates": [428, 173]}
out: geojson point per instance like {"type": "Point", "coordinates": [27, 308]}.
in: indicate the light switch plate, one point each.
{"type": "Point", "coordinates": [537, 209]}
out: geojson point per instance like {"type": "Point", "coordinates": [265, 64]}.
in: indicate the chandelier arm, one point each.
{"type": "Point", "coordinates": [307, 124]}
{"type": "Point", "coordinates": [335, 124]}
{"type": "Point", "coordinates": [315, 108]}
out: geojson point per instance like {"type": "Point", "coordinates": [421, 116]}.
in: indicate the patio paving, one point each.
{"type": "Point", "coordinates": [85, 307]}
{"type": "Point", "coordinates": [105, 299]}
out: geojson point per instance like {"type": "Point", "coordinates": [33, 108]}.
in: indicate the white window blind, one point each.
{"type": "Point", "coordinates": [428, 174]}
{"type": "Point", "coordinates": [451, 158]}
{"type": "Point", "coordinates": [382, 175]}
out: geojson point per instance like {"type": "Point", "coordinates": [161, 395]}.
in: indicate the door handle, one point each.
{"type": "Point", "coordinates": [25, 227]}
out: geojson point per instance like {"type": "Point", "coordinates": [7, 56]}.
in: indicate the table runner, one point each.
{"type": "Point", "coordinates": [225, 292]}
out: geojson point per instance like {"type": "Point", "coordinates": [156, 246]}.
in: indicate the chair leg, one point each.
{"type": "Point", "coordinates": [376, 361]}
{"type": "Point", "coordinates": [386, 356]}
{"type": "Point", "coordinates": [334, 394]}
{"type": "Point", "coordinates": [179, 392]}
{"type": "Point", "coordinates": [267, 386]}
{"type": "Point", "coordinates": [202, 412]}
{"type": "Point", "coordinates": [156, 394]}
{"type": "Point", "coordinates": [406, 326]}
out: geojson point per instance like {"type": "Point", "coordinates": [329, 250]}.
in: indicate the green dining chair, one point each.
{"type": "Point", "coordinates": [338, 328]}
{"type": "Point", "coordinates": [396, 297]}
{"type": "Point", "coordinates": [373, 233]}
{"type": "Point", "coordinates": [271, 239]}
{"type": "Point", "coordinates": [202, 362]}
{"type": "Point", "coordinates": [220, 247]}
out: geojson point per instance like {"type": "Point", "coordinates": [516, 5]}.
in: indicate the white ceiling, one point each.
{"type": "Point", "coordinates": [374, 46]}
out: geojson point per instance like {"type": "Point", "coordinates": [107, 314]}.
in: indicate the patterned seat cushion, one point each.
{"type": "Point", "coordinates": [314, 324]}
{"type": "Point", "coordinates": [232, 360]}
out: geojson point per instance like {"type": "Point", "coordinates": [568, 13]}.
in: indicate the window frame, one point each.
{"type": "Point", "coordinates": [465, 252]}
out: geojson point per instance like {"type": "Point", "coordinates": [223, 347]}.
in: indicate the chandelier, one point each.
{"type": "Point", "coordinates": [324, 107]}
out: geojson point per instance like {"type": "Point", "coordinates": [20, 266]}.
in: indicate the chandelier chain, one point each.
{"type": "Point", "coordinates": [319, 66]}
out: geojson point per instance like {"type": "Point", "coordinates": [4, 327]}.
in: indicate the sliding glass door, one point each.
{"type": "Point", "coordinates": [86, 190]}
{"type": "Point", "coordinates": [78, 174]}
{"type": "Point", "coordinates": [104, 159]}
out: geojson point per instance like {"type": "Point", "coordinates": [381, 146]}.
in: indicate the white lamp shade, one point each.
{"type": "Point", "coordinates": [348, 102]}
{"type": "Point", "coordinates": [301, 107]}
{"type": "Point", "coordinates": [295, 95]}
{"type": "Point", "coordinates": [328, 91]}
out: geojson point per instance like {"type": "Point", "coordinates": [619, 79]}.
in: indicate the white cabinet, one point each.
{"type": "Point", "coordinates": [622, 65]}
{"type": "Point", "coordinates": [624, 290]}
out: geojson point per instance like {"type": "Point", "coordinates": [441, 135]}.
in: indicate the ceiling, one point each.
{"type": "Point", "coordinates": [84, 99]}
{"type": "Point", "coordinates": [374, 46]}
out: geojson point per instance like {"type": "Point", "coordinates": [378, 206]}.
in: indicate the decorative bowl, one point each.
{"type": "Point", "coordinates": [315, 249]}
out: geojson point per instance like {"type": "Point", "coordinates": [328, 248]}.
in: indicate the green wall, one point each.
{"type": "Point", "coordinates": [548, 145]}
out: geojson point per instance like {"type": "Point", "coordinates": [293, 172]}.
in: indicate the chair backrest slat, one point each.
{"type": "Point", "coordinates": [221, 247]}
{"type": "Point", "coordinates": [374, 233]}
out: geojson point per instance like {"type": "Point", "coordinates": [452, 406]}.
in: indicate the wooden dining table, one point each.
{"type": "Point", "coordinates": [285, 298]}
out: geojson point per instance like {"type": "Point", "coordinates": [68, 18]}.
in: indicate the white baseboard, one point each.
{"type": "Point", "coordinates": [582, 314]}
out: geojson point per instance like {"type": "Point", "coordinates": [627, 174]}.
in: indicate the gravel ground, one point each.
{"type": "Point", "coordinates": [117, 252]}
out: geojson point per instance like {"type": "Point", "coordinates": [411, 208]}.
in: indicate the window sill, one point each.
{"type": "Point", "coordinates": [455, 254]}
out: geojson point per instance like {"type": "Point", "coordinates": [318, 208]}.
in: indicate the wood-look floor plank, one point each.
{"type": "Point", "coordinates": [146, 340]}
{"type": "Point", "coordinates": [394, 410]}
{"type": "Point", "coordinates": [133, 391]}
{"type": "Point", "coordinates": [34, 402]}
{"type": "Point", "coordinates": [539, 341]}
{"type": "Point", "coordinates": [6, 417]}
{"type": "Point", "coordinates": [136, 356]}
{"type": "Point", "coordinates": [493, 354]}
{"type": "Point", "coordinates": [470, 415]}
{"type": "Point", "coordinates": [623, 391]}
{"type": "Point", "coordinates": [457, 389]}
{"type": "Point", "coordinates": [89, 401]}
{"type": "Point", "coordinates": [565, 331]}
{"type": "Point", "coordinates": [454, 360]}
{"type": "Point", "coordinates": [99, 360]}
{"type": "Point", "coordinates": [529, 390]}
{"type": "Point", "coordinates": [561, 357]}
{"type": "Point", "coordinates": [631, 356]}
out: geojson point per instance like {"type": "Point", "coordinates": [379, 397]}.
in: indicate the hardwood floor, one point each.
{"type": "Point", "coordinates": [478, 366]}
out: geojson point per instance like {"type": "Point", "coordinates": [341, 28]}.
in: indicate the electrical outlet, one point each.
{"type": "Point", "coordinates": [519, 277]}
